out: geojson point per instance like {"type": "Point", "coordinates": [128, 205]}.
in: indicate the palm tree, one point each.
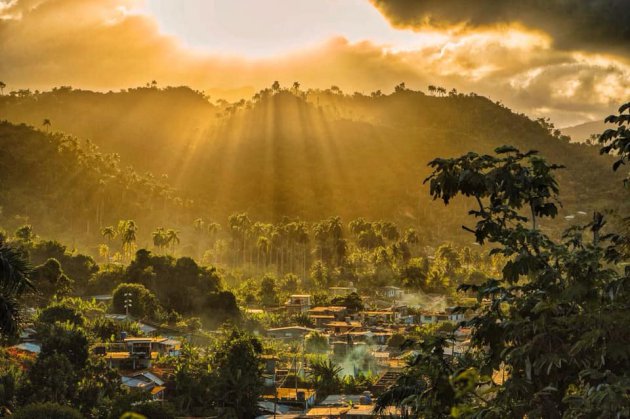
{"type": "Point", "coordinates": [159, 238]}
{"type": "Point", "coordinates": [2, 86]}
{"type": "Point", "coordinates": [263, 246]}
{"type": "Point", "coordinates": [213, 228]}
{"type": "Point", "coordinates": [325, 377]}
{"type": "Point", "coordinates": [432, 89]}
{"type": "Point", "coordinates": [172, 238]}
{"type": "Point", "coordinates": [296, 87]}
{"type": "Point", "coordinates": [199, 224]}
{"type": "Point", "coordinates": [46, 123]}
{"type": "Point", "coordinates": [127, 231]}
{"type": "Point", "coordinates": [109, 232]}
{"type": "Point", "coordinates": [15, 274]}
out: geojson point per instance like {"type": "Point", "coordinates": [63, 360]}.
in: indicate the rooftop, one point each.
{"type": "Point", "coordinates": [327, 308]}
{"type": "Point", "coordinates": [29, 347]}
{"type": "Point", "coordinates": [302, 328]}
{"type": "Point", "coordinates": [157, 389]}
{"type": "Point", "coordinates": [289, 393]}
{"type": "Point", "coordinates": [146, 340]}
{"type": "Point", "coordinates": [118, 355]}
{"type": "Point", "coordinates": [344, 324]}
{"type": "Point", "coordinates": [378, 312]}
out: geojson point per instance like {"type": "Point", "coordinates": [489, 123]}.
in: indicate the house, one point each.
{"type": "Point", "coordinates": [146, 381]}
{"type": "Point", "coordinates": [138, 352]}
{"type": "Point", "coordinates": [338, 312]}
{"type": "Point", "coordinates": [341, 291]}
{"type": "Point", "coordinates": [342, 327]}
{"type": "Point", "coordinates": [433, 317]}
{"type": "Point", "coordinates": [380, 316]}
{"type": "Point", "coordinates": [392, 292]}
{"type": "Point", "coordinates": [298, 303]}
{"type": "Point", "coordinates": [453, 316]}
{"type": "Point", "coordinates": [148, 345]}
{"type": "Point", "coordinates": [289, 332]}
{"type": "Point", "coordinates": [320, 320]}
{"type": "Point", "coordinates": [436, 317]}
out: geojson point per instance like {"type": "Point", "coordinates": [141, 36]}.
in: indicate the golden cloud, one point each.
{"type": "Point", "coordinates": [102, 44]}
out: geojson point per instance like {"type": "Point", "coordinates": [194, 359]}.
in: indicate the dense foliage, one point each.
{"type": "Point", "coordinates": [552, 324]}
{"type": "Point", "coordinates": [358, 154]}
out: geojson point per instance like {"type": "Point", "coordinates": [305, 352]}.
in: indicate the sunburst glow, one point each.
{"type": "Point", "coordinates": [257, 29]}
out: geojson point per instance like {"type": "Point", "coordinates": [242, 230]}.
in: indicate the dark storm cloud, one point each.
{"type": "Point", "coordinates": [600, 25]}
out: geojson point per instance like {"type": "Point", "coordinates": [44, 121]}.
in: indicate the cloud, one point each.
{"type": "Point", "coordinates": [104, 44]}
{"type": "Point", "coordinates": [594, 25]}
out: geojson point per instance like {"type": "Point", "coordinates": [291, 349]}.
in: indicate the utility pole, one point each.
{"type": "Point", "coordinates": [128, 303]}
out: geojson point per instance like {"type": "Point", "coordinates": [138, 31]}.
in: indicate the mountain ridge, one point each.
{"type": "Point", "coordinates": [312, 154]}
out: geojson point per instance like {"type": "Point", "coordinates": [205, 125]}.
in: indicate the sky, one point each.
{"type": "Point", "coordinates": [568, 60]}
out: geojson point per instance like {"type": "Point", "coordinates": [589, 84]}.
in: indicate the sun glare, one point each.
{"type": "Point", "coordinates": [256, 29]}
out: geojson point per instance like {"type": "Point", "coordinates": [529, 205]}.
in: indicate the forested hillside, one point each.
{"type": "Point", "coordinates": [66, 188]}
{"type": "Point", "coordinates": [308, 154]}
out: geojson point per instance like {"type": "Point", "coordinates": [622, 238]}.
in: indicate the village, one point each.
{"type": "Point", "coordinates": [365, 344]}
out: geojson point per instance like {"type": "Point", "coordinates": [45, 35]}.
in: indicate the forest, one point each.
{"type": "Point", "coordinates": [307, 154]}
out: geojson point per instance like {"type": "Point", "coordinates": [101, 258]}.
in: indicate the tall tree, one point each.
{"type": "Point", "coordinates": [553, 320]}
{"type": "Point", "coordinates": [109, 233]}
{"type": "Point", "coordinates": [160, 239]}
{"type": "Point", "coordinates": [237, 374]}
{"type": "Point", "coordinates": [127, 230]}
{"type": "Point", "coordinates": [325, 376]}
{"type": "Point", "coordinates": [172, 238]}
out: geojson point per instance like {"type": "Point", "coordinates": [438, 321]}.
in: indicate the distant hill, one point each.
{"type": "Point", "coordinates": [583, 132]}
{"type": "Point", "coordinates": [310, 154]}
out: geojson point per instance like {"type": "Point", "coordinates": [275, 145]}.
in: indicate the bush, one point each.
{"type": "Point", "coordinates": [47, 411]}
{"type": "Point", "coordinates": [143, 302]}
{"type": "Point", "coordinates": [396, 340]}
{"type": "Point", "coordinates": [62, 313]}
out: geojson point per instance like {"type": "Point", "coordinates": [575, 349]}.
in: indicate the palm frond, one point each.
{"type": "Point", "coordinates": [15, 271]}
